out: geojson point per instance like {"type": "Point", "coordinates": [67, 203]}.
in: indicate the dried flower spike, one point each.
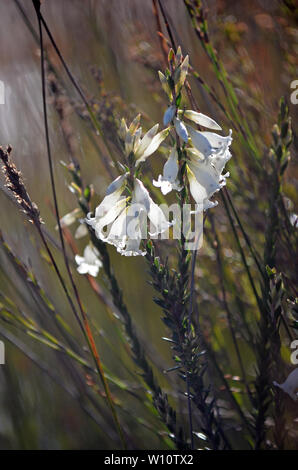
{"type": "Point", "coordinates": [14, 182]}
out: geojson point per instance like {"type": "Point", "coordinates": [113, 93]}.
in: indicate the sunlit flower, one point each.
{"type": "Point", "coordinates": [201, 119]}
{"type": "Point", "coordinates": [90, 262]}
{"type": "Point", "coordinates": [205, 165]}
{"type": "Point", "coordinates": [181, 129]}
{"type": "Point", "coordinates": [122, 221]}
{"type": "Point", "coordinates": [290, 385]}
{"type": "Point", "coordinates": [110, 207]}
{"type": "Point", "coordinates": [69, 219]}
{"type": "Point", "coordinates": [207, 155]}
{"type": "Point", "coordinates": [169, 115]}
{"type": "Point", "coordinates": [141, 147]}
{"type": "Point", "coordinates": [81, 231]}
{"type": "Point", "coordinates": [168, 181]}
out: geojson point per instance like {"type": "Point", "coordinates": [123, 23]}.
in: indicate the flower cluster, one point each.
{"type": "Point", "coordinates": [205, 153]}
{"type": "Point", "coordinates": [121, 219]}
{"type": "Point", "coordinates": [90, 262]}
{"type": "Point", "coordinates": [125, 218]}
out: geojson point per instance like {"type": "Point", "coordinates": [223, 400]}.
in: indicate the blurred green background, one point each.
{"type": "Point", "coordinates": [114, 52]}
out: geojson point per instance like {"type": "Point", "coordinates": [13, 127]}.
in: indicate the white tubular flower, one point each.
{"type": "Point", "coordinates": [70, 218]}
{"type": "Point", "coordinates": [200, 143]}
{"type": "Point", "coordinates": [134, 228]}
{"type": "Point", "coordinates": [203, 183]}
{"type": "Point", "coordinates": [122, 225]}
{"type": "Point", "coordinates": [207, 157]}
{"type": "Point", "coordinates": [290, 385]}
{"type": "Point", "coordinates": [154, 212]}
{"type": "Point", "coordinates": [109, 209]}
{"type": "Point", "coordinates": [168, 181]}
{"type": "Point", "coordinates": [201, 119]}
{"type": "Point", "coordinates": [181, 129]}
{"type": "Point", "coordinates": [81, 231]}
{"type": "Point", "coordinates": [133, 225]}
{"type": "Point", "coordinates": [146, 140]}
{"type": "Point", "coordinates": [205, 166]}
{"type": "Point", "coordinates": [148, 146]}
{"type": "Point", "coordinates": [89, 263]}
{"type": "Point", "coordinates": [169, 115]}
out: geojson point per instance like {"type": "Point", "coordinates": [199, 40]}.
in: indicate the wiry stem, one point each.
{"type": "Point", "coordinates": [87, 331]}
{"type": "Point", "coordinates": [73, 81]}
{"type": "Point", "coordinates": [160, 399]}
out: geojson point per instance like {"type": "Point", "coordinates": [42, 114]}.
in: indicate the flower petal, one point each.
{"type": "Point", "coordinates": [137, 139]}
{"type": "Point", "coordinates": [180, 74]}
{"type": "Point", "coordinates": [93, 271]}
{"type": "Point", "coordinates": [141, 195]}
{"type": "Point", "coordinates": [117, 184]}
{"type": "Point", "coordinates": [128, 144]}
{"type": "Point", "coordinates": [164, 185]}
{"type": "Point", "coordinates": [113, 194]}
{"type": "Point", "coordinates": [181, 129]}
{"type": "Point", "coordinates": [203, 183]}
{"type": "Point", "coordinates": [154, 212]}
{"type": "Point", "coordinates": [83, 268]}
{"type": "Point", "coordinates": [108, 218]}
{"type": "Point", "coordinates": [178, 56]}
{"type": "Point", "coordinates": [79, 259]}
{"type": "Point", "coordinates": [117, 235]}
{"type": "Point", "coordinates": [153, 146]}
{"type": "Point", "coordinates": [123, 130]}
{"type": "Point", "coordinates": [219, 160]}
{"type": "Point", "coordinates": [169, 115]}
{"type": "Point", "coordinates": [294, 219]}
{"type": "Point", "coordinates": [158, 219]}
{"type": "Point", "coordinates": [136, 229]}
{"type": "Point", "coordinates": [90, 263]}
{"type": "Point", "coordinates": [110, 207]}
{"type": "Point", "coordinates": [194, 154]}
{"type": "Point", "coordinates": [201, 119]}
{"type": "Point", "coordinates": [134, 125]}
{"type": "Point", "coordinates": [70, 218]}
{"type": "Point", "coordinates": [146, 140]}
{"type": "Point", "coordinates": [90, 254]}
{"type": "Point", "coordinates": [199, 141]}
{"type": "Point", "coordinates": [218, 141]}
{"type": "Point", "coordinates": [170, 170]}
{"type": "Point", "coordinates": [164, 84]}
{"type": "Point", "coordinates": [169, 181]}
{"type": "Point", "coordinates": [81, 231]}
{"type": "Point", "coordinates": [132, 248]}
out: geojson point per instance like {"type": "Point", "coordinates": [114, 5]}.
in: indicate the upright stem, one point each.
{"type": "Point", "coordinates": [87, 331]}
{"type": "Point", "coordinates": [76, 85]}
